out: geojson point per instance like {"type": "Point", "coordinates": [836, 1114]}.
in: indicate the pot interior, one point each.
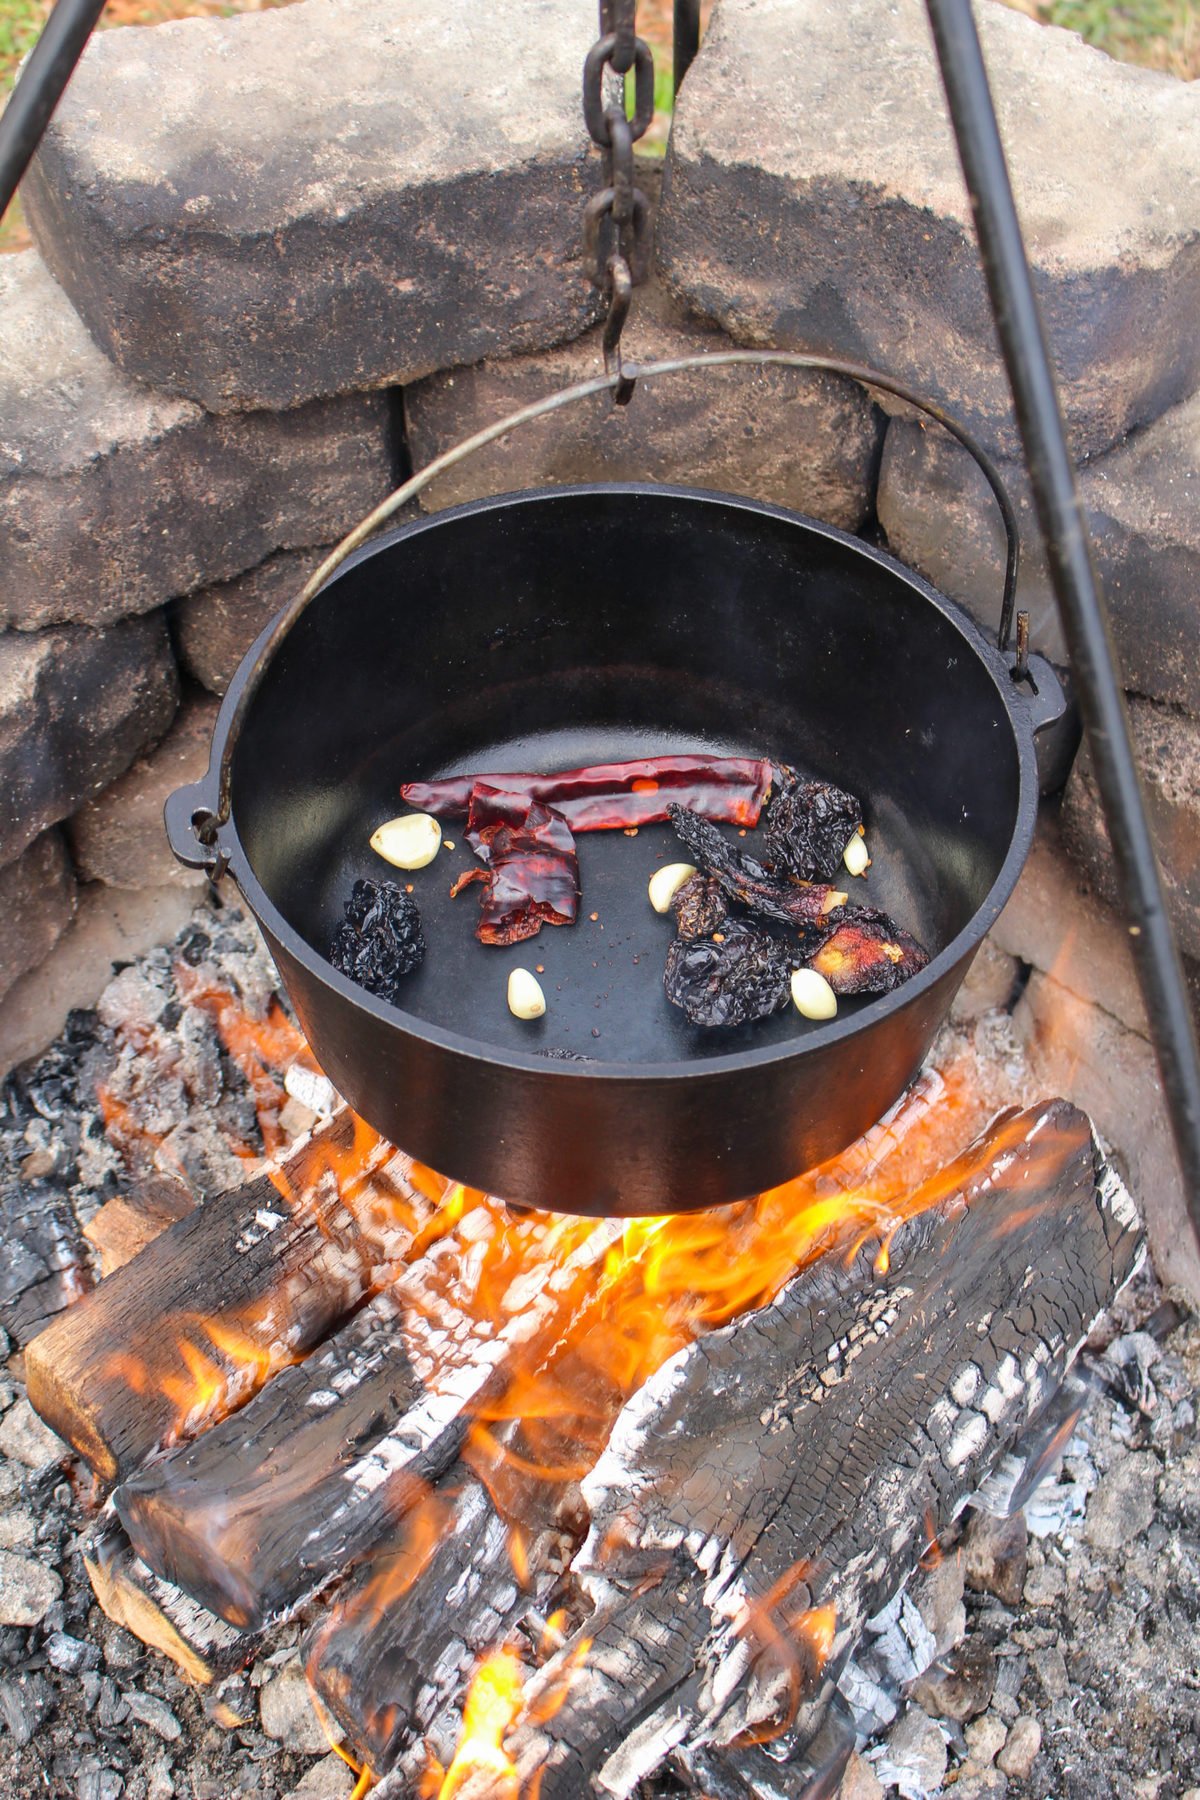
{"type": "Point", "coordinates": [588, 625]}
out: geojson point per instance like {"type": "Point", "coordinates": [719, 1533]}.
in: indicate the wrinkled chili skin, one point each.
{"type": "Point", "coordinates": [700, 907]}
{"type": "Point", "coordinates": [809, 824]}
{"type": "Point", "coordinates": [867, 953]}
{"type": "Point", "coordinates": [381, 940]}
{"type": "Point", "coordinates": [790, 902]}
{"type": "Point", "coordinates": [746, 976]}
{"type": "Point", "coordinates": [618, 796]}
{"type": "Point", "coordinates": [531, 876]}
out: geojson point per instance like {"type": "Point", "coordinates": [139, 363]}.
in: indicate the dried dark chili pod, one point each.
{"type": "Point", "coordinates": [803, 905]}
{"type": "Point", "coordinates": [809, 824]}
{"type": "Point", "coordinates": [619, 796]}
{"type": "Point", "coordinates": [381, 940]}
{"type": "Point", "coordinates": [531, 875]}
{"type": "Point", "coordinates": [699, 906]}
{"type": "Point", "coordinates": [867, 953]}
{"type": "Point", "coordinates": [739, 975]}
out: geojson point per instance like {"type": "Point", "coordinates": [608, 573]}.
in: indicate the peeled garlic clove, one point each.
{"type": "Point", "coordinates": [525, 997]}
{"type": "Point", "coordinates": [855, 855]}
{"type": "Point", "coordinates": [813, 995]}
{"type": "Point", "coordinates": [666, 882]}
{"type": "Point", "coordinates": [409, 842]}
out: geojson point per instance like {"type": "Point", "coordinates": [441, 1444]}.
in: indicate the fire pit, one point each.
{"type": "Point", "coordinates": [563, 1473]}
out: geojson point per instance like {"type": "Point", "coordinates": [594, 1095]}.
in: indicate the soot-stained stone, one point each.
{"type": "Point", "coordinates": [1143, 505]}
{"type": "Point", "coordinates": [1166, 745]}
{"type": "Point", "coordinates": [253, 211]}
{"type": "Point", "coordinates": [119, 838]}
{"type": "Point", "coordinates": [803, 440]}
{"type": "Point", "coordinates": [215, 627]}
{"type": "Point", "coordinates": [114, 497]}
{"type": "Point", "coordinates": [813, 196]}
{"type": "Point", "coordinates": [76, 707]}
{"type": "Point", "coordinates": [37, 903]}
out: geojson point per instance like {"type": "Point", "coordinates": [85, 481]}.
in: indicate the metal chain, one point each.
{"type": "Point", "coordinates": [616, 220]}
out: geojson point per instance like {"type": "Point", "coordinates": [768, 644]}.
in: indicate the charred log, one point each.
{"type": "Point", "coordinates": [219, 1301]}
{"type": "Point", "coordinates": [230, 1516]}
{"type": "Point", "coordinates": [44, 1268]}
{"type": "Point", "coordinates": [389, 1662]}
{"type": "Point", "coordinates": [203, 1647]}
{"type": "Point", "coordinates": [259, 1513]}
{"type": "Point", "coordinates": [771, 1487]}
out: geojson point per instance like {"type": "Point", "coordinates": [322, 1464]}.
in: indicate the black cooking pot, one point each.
{"type": "Point", "coordinates": [557, 628]}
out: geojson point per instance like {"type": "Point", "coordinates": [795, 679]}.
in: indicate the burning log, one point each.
{"type": "Point", "coordinates": [236, 1516]}
{"type": "Point", "coordinates": [224, 1297]}
{"type": "Point", "coordinates": [767, 1491]}
{"type": "Point", "coordinates": [773, 1485]}
{"type": "Point", "coordinates": [257, 1515]}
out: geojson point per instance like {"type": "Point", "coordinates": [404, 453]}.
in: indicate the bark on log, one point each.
{"type": "Point", "coordinates": [801, 1458]}
{"type": "Point", "coordinates": [203, 1647]}
{"type": "Point", "coordinates": [216, 1303]}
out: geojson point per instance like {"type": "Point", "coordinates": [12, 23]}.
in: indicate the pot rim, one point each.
{"type": "Point", "coordinates": [1014, 703]}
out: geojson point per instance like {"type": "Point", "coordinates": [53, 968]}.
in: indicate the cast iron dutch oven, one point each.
{"type": "Point", "coordinates": [556, 628]}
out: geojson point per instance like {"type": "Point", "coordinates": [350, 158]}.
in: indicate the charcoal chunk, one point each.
{"type": "Point", "coordinates": [741, 974]}
{"type": "Point", "coordinates": [809, 825]}
{"type": "Point", "coordinates": [381, 940]}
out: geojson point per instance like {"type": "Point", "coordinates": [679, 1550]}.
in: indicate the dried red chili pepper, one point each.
{"type": "Point", "coordinates": [531, 872]}
{"type": "Point", "coordinates": [616, 796]}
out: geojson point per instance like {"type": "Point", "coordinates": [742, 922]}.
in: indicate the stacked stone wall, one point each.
{"type": "Point", "coordinates": [284, 257]}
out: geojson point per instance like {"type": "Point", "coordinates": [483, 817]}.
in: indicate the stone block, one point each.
{"type": "Point", "coordinates": [1054, 923]}
{"type": "Point", "coordinates": [111, 925]}
{"type": "Point", "coordinates": [119, 837]}
{"type": "Point", "coordinates": [1089, 1057]}
{"type": "Point", "coordinates": [1167, 747]}
{"type": "Point", "coordinates": [806, 441]}
{"type": "Point", "coordinates": [215, 627]}
{"type": "Point", "coordinates": [37, 903]}
{"type": "Point", "coordinates": [113, 497]}
{"type": "Point", "coordinates": [76, 707]}
{"type": "Point", "coordinates": [941, 518]}
{"type": "Point", "coordinates": [813, 196]}
{"type": "Point", "coordinates": [1143, 505]}
{"type": "Point", "coordinates": [257, 210]}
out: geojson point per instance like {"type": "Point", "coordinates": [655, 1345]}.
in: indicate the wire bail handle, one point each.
{"type": "Point", "coordinates": [207, 819]}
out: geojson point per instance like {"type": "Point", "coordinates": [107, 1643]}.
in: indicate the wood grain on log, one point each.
{"type": "Point", "coordinates": [241, 1287]}
{"type": "Point", "coordinates": [202, 1646]}
{"type": "Point", "coordinates": [126, 1224]}
{"type": "Point", "coordinates": [772, 1485]}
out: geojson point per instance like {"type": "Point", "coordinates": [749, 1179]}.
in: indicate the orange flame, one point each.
{"type": "Point", "coordinates": [492, 1704]}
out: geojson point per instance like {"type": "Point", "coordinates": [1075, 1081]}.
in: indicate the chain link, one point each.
{"type": "Point", "coordinates": [616, 220]}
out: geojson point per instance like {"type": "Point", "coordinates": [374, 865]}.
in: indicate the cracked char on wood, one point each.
{"type": "Point", "coordinates": [276, 1274]}
{"type": "Point", "coordinates": [800, 1458]}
